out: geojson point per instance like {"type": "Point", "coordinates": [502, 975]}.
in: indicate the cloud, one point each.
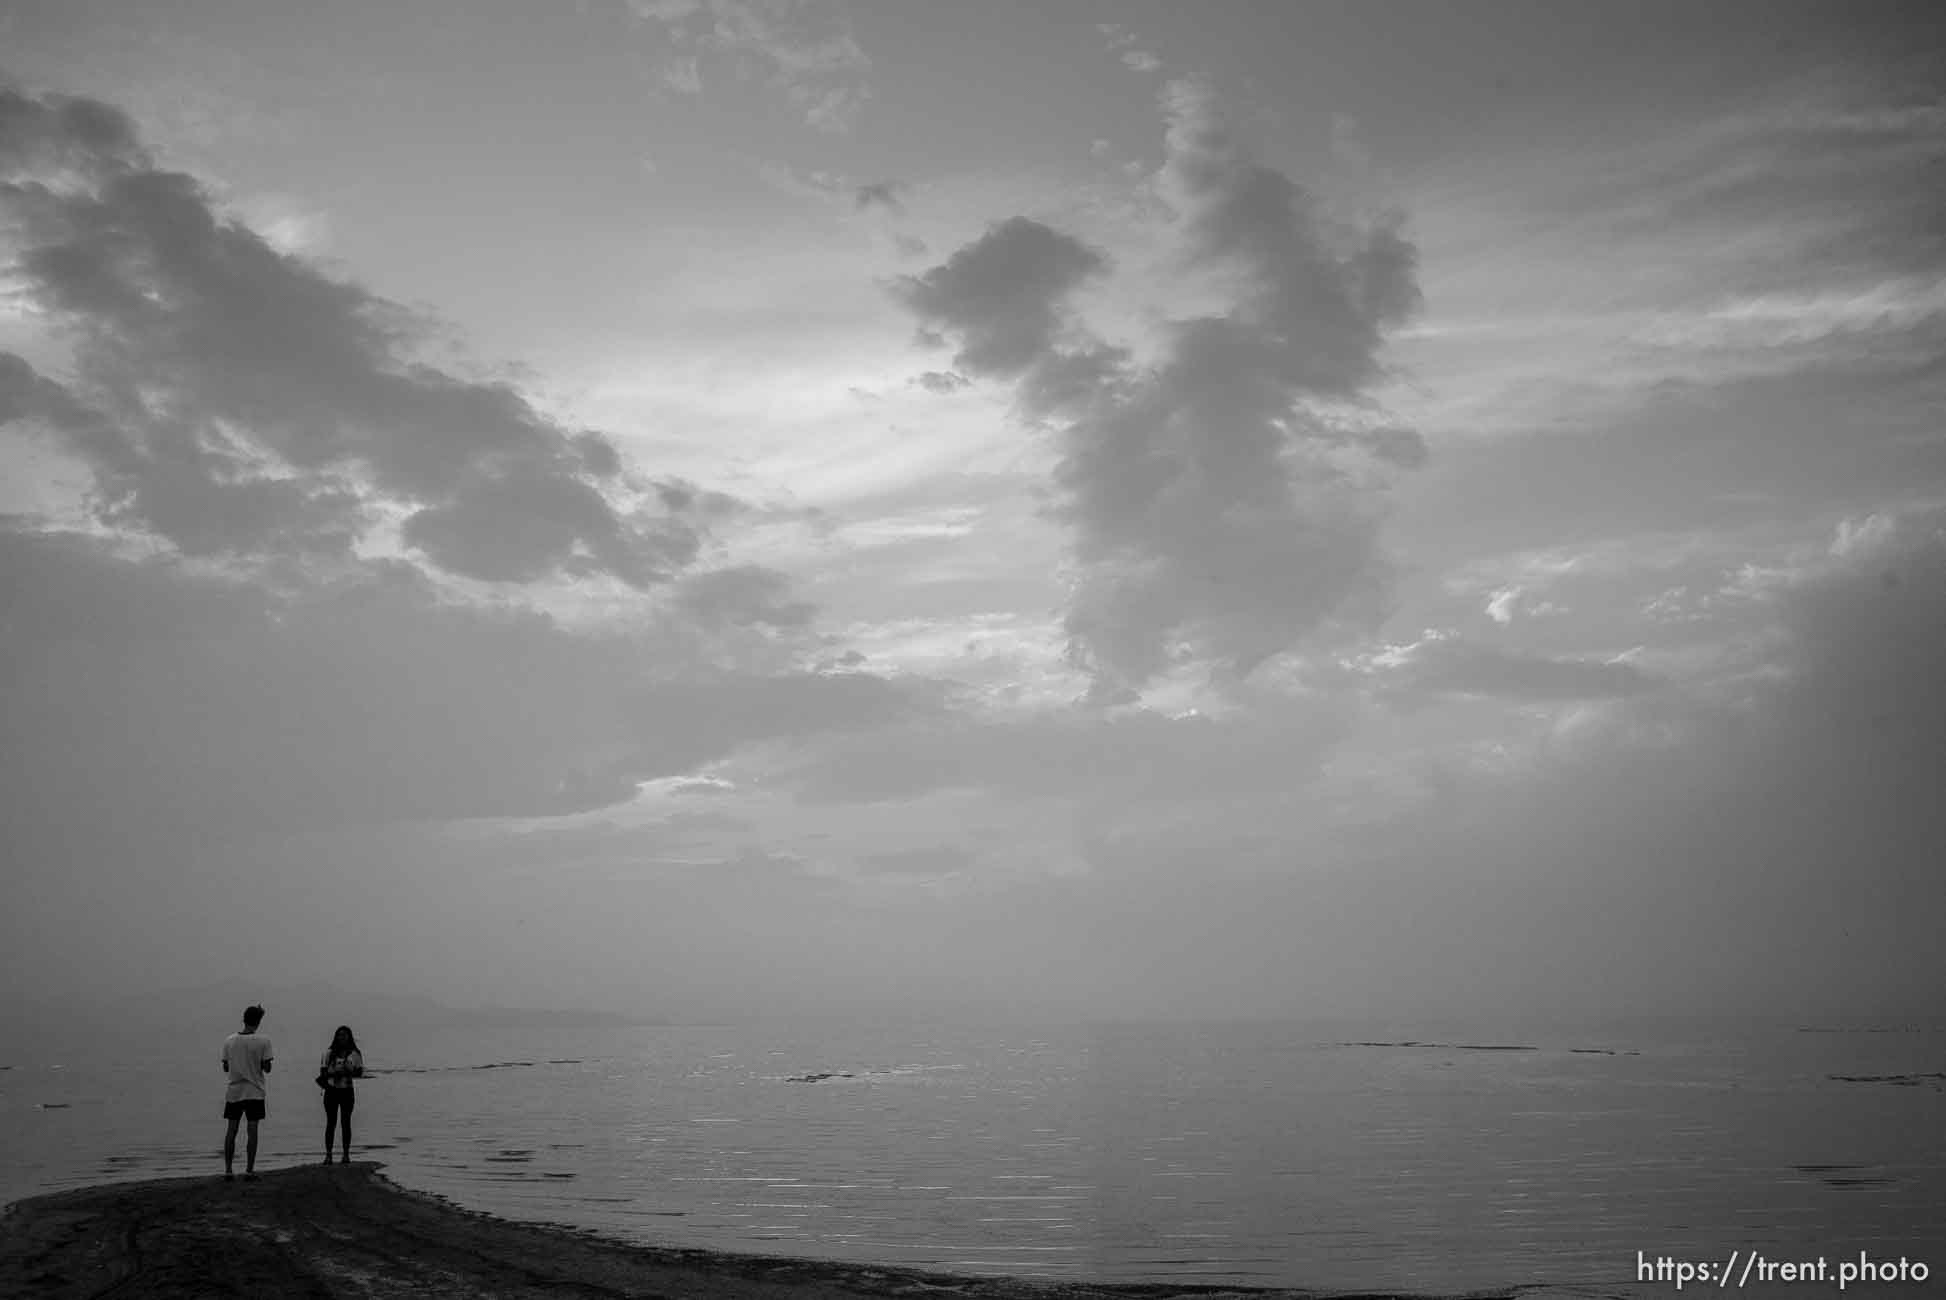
{"type": "Point", "coordinates": [528, 523]}
{"type": "Point", "coordinates": [941, 381]}
{"type": "Point", "coordinates": [802, 48]}
{"type": "Point", "coordinates": [187, 701]}
{"type": "Point", "coordinates": [682, 73]}
{"type": "Point", "coordinates": [1864, 627]}
{"type": "Point", "coordinates": [558, 850]}
{"type": "Point", "coordinates": [190, 702]}
{"type": "Point", "coordinates": [244, 642]}
{"type": "Point", "coordinates": [745, 596]}
{"type": "Point", "coordinates": [836, 189]}
{"type": "Point", "coordinates": [927, 863]}
{"type": "Point", "coordinates": [665, 10]}
{"type": "Point", "coordinates": [1123, 41]}
{"type": "Point", "coordinates": [1216, 517]}
{"type": "Point", "coordinates": [1324, 297]}
{"type": "Point", "coordinates": [703, 787]}
{"type": "Point", "coordinates": [1785, 158]}
{"type": "Point", "coordinates": [1875, 313]}
{"type": "Point", "coordinates": [236, 400]}
{"type": "Point", "coordinates": [1793, 237]}
{"type": "Point", "coordinates": [1698, 457]}
{"type": "Point", "coordinates": [1730, 845]}
{"type": "Point", "coordinates": [884, 194]}
{"type": "Point", "coordinates": [1113, 761]}
{"type": "Point", "coordinates": [1002, 294]}
{"type": "Point", "coordinates": [67, 135]}
{"type": "Point", "coordinates": [833, 109]}
{"type": "Point", "coordinates": [1445, 663]}
{"type": "Point", "coordinates": [1772, 834]}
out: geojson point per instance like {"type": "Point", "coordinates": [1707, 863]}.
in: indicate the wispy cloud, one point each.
{"type": "Point", "coordinates": [803, 49]}
{"type": "Point", "coordinates": [1503, 604]}
{"type": "Point", "coordinates": [1121, 40]}
{"type": "Point", "coordinates": [941, 381]}
{"type": "Point", "coordinates": [1780, 331]}
{"type": "Point", "coordinates": [1445, 663]}
{"type": "Point", "coordinates": [1795, 233]}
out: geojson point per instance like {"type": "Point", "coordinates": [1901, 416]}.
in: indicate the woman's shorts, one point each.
{"type": "Point", "coordinates": [251, 1110]}
{"type": "Point", "coordinates": [339, 1099]}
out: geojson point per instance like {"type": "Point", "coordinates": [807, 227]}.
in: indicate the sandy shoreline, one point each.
{"type": "Point", "coordinates": [313, 1231]}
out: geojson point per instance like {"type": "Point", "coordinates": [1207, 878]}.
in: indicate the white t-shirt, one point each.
{"type": "Point", "coordinates": [245, 1056]}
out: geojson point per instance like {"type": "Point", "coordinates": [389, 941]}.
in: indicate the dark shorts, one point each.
{"type": "Point", "coordinates": [250, 1110]}
{"type": "Point", "coordinates": [339, 1099]}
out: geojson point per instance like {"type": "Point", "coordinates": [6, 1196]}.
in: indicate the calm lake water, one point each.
{"type": "Point", "coordinates": [1328, 1156]}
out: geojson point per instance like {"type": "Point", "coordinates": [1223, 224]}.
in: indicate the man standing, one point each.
{"type": "Point", "coordinates": [246, 1058]}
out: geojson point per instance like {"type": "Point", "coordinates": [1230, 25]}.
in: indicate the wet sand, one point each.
{"type": "Point", "coordinates": [346, 1230]}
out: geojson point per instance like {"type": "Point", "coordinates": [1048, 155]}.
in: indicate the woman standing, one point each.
{"type": "Point", "coordinates": [342, 1062]}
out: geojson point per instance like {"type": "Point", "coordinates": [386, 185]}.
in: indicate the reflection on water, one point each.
{"type": "Point", "coordinates": [1280, 1155]}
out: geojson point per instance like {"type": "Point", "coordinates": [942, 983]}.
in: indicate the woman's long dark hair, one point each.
{"type": "Point", "coordinates": [351, 1044]}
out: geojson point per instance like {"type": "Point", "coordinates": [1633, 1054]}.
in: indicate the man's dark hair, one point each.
{"type": "Point", "coordinates": [252, 1015]}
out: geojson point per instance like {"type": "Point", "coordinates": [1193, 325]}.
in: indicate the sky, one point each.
{"type": "Point", "coordinates": [747, 507]}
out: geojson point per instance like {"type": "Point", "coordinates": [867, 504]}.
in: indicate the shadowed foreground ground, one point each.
{"type": "Point", "coordinates": [314, 1231]}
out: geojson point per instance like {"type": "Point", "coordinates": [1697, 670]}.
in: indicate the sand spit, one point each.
{"type": "Point", "coordinates": [345, 1230]}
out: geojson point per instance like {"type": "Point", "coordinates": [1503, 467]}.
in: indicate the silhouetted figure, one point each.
{"type": "Point", "coordinates": [341, 1063]}
{"type": "Point", "coordinates": [246, 1059]}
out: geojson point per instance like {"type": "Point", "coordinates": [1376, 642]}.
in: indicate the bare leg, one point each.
{"type": "Point", "coordinates": [250, 1152]}
{"type": "Point", "coordinates": [229, 1146]}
